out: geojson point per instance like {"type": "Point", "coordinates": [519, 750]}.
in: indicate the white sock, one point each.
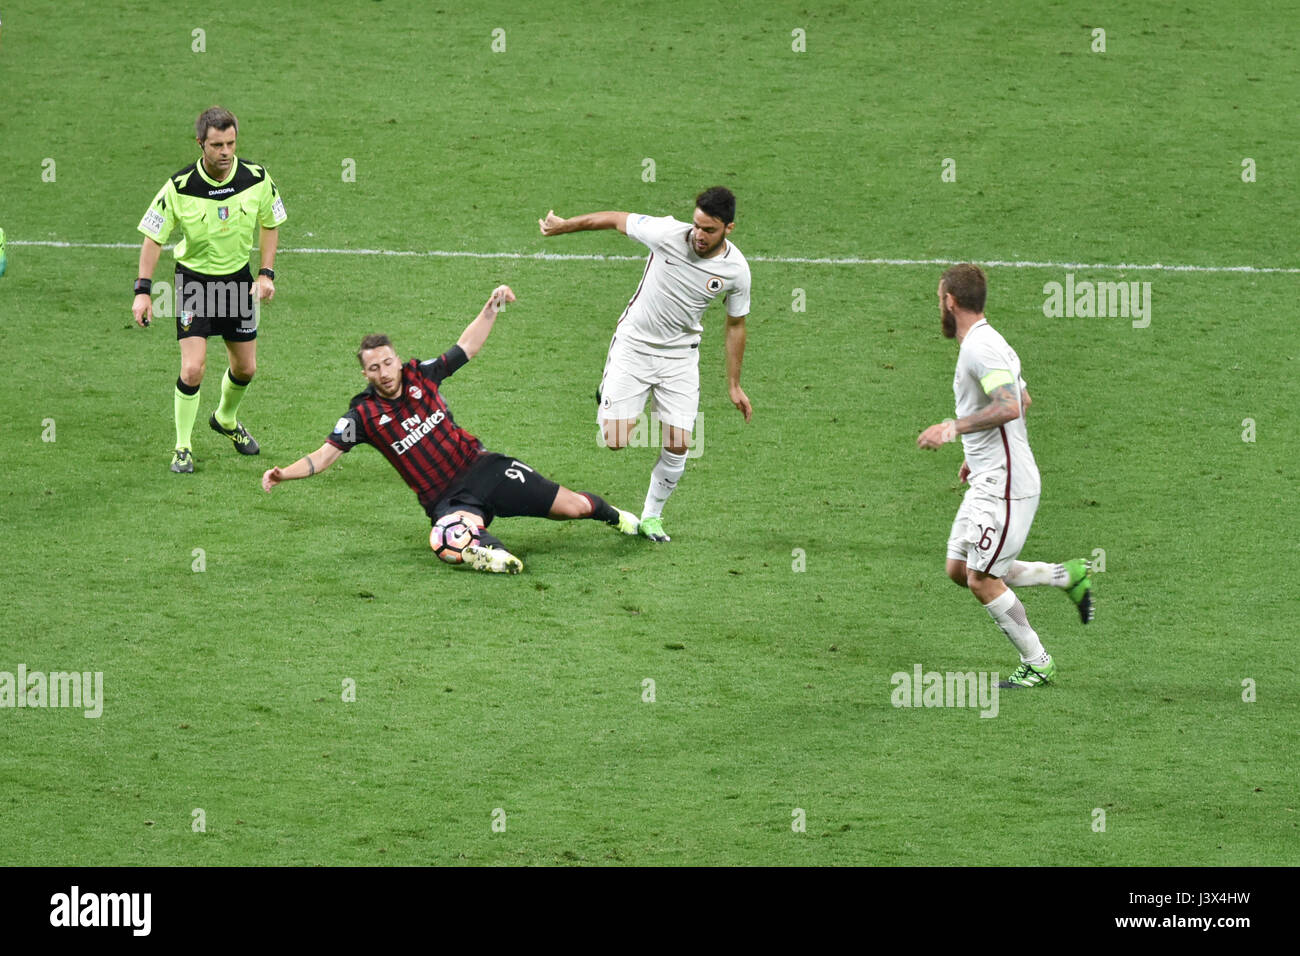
{"type": "Point", "coordinates": [663, 479]}
{"type": "Point", "coordinates": [1028, 574]}
{"type": "Point", "coordinates": [1009, 614]}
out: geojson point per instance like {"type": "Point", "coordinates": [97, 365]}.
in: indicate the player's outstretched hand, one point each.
{"type": "Point", "coordinates": [272, 477]}
{"type": "Point", "coordinates": [500, 296]}
{"type": "Point", "coordinates": [963, 472]}
{"type": "Point", "coordinates": [741, 401]}
{"type": "Point", "coordinates": [937, 435]}
{"type": "Point", "coordinates": [551, 224]}
{"type": "Point", "coordinates": [142, 309]}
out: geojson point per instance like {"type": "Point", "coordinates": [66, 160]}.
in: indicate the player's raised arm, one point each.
{"type": "Point", "coordinates": [304, 467]}
{"type": "Point", "coordinates": [554, 225]}
{"type": "Point", "coordinates": [476, 333]}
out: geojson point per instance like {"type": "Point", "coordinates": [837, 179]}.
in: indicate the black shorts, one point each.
{"type": "Point", "coordinates": [216, 305]}
{"type": "Point", "coordinates": [496, 486]}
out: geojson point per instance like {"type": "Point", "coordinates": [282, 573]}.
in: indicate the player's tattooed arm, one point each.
{"type": "Point", "coordinates": [1003, 407]}
{"type": "Point", "coordinates": [554, 225]}
{"type": "Point", "coordinates": [304, 467]}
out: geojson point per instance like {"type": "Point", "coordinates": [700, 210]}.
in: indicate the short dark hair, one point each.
{"type": "Point", "coordinates": [214, 117]}
{"type": "Point", "coordinates": [718, 202]}
{"type": "Point", "coordinates": [966, 284]}
{"type": "Point", "coordinates": [374, 341]}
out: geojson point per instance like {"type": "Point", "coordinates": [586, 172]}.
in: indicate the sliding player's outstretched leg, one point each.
{"type": "Point", "coordinates": [569, 505]}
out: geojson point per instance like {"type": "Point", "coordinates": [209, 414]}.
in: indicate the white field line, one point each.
{"type": "Point", "coordinates": [783, 260]}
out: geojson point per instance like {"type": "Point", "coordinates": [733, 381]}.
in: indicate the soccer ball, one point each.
{"type": "Point", "coordinates": [451, 535]}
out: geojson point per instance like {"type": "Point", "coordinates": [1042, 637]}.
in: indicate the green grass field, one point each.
{"type": "Point", "coordinates": [772, 686]}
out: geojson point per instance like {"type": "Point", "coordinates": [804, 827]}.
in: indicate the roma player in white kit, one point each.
{"type": "Point", "coordinates": [999, 506]}
{"type": "Point", "coordinates": [654, 352]}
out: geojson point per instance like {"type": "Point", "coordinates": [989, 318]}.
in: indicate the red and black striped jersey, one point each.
{"type": "Point", "coordinates": [414, 430]}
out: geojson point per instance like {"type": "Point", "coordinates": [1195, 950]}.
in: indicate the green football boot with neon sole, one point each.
{"type": "Point", "coordinates": [653, 528]}
{"type": "Point", "coordinates": [1027, 675]}
{"type": "Point", "coordinates": [1080, 587]}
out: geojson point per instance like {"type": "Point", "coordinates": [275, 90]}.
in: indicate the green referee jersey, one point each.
{"type": "Point", "coordinates": [217, 220]}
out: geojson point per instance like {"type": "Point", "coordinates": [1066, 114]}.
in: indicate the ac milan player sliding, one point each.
{"type": "Point", "coordinates": [403, 415]}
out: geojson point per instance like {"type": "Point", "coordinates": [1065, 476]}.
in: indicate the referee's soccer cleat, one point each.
{"type": "Point", "coordinates": [183, 462]}
{"type": "Point", "coordinates": [1027, 675]}
{"type": "Point", "coordinates": [496, 560]}
{"type": "Point", "coordinates": [244, 442]}
{"type": "Point", "coordinates": [653, 528]}
{"type": "Point", "coordinates": [627, 523]}
{"type": "Point", "coordinates": [1080, 587]}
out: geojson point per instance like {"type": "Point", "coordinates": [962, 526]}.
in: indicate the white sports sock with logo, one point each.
{"type": "Point", "coordinates": [1028, 574]}
{"type": "Point", "coordinates": [663, 479]}
{"type": "Point", "coordinates": [1009, 614]}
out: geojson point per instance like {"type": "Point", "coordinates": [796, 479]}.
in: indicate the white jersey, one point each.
{"type": "Point", "coordinates": [1001, 464]}
{"type": "Point", "coordinates": [678, 285]}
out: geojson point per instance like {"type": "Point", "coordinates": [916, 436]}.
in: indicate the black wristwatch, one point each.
{"type": "Point", "coordinates": [269, 273]}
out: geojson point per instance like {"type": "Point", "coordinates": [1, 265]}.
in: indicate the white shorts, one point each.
{"type": "Point", "coordinates": [671, 381]}
{"type": "Point", "coordinates": [989, 532]}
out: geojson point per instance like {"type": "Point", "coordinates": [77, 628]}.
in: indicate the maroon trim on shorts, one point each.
{"type": "Point", "coordinates": [1006, 530]}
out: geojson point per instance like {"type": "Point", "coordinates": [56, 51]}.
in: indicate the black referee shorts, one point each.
{"type": "Point", "coordinates": [497, 486]}
{"type": "Point", "coordinates": [215, 305]}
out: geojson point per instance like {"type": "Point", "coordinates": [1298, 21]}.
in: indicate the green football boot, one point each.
{"type": "Point", "coordinates": [1080, 587]}
{"type": "Point", "coordinates": [628, 523]}
{"type": "Point", "coordinates": [653, 528]}
{"type": "Point", "coordinates": [1026, 675]}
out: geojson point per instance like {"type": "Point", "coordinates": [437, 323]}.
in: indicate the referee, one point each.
{"type": "Point", "coordinates": [217, 202]}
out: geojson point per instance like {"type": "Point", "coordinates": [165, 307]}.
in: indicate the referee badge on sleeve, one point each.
{"type": "Point", "coordinates": [153, 221]}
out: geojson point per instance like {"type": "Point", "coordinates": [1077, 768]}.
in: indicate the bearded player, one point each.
{"type": "Point", "coordinates": [654, 351]}
{"type": "Point", "coordinates": [403, 415]}
{"type": "Point", "coordinates": [999, 506]}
